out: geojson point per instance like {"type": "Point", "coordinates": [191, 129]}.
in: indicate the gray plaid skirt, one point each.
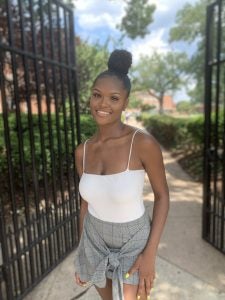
{"type": "Point", "coordinates": [109, 249]}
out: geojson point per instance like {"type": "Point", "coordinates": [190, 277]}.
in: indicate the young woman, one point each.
{"type": "Point", "coordinates": [118, 241]}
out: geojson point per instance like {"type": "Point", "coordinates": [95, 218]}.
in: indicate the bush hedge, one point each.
{"type": "Point", "coordinates": [60, 136]}
{"type": "Point", "coordinates": [183, 136]}
{"type": "Point", "coordinates": [173, 132]}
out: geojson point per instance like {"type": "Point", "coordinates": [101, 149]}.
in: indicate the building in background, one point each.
{"type": "Point", "coordinates": [150, 98]}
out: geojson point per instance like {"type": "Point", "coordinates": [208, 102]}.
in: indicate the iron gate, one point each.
{"type": "Point", "coordinates": [214, 153]}
{"type": "Point", "coordinates": [39, 129]}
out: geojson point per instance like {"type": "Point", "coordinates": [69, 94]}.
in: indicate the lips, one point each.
{"type": "Point", "coordinates": [103, 113]}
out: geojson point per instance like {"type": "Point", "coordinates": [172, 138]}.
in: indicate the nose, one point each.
{"type": "Point", "coordinates": [104, 101]}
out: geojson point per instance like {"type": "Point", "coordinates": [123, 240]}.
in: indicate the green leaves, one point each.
{"type": "Point", "coordinates": [91, 60]}
{"type": "Point", "coordinates": [190, 21]}
{"type": "Point", "coordinates": [161, 73]}
{"type": "Point", "coordinates": [139, 14]}
{"type": "Point", "coordinates": [190, 27]}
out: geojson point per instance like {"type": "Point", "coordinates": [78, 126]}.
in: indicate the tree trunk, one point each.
{"type": "Point", "coordinates": [161, 111]}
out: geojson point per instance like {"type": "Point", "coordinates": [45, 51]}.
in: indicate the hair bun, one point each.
{"type": "Point", "coordinates": [120, 61]}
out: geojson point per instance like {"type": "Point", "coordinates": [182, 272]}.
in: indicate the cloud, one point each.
{"type": "Point", "coordinates": [93, 15]}
{"type": "Point", "coordinates": [151, 43]}
{"type": "Point", "coordinates": [162, 7]}
{"type": "Point", "coordinates": [90, 22]}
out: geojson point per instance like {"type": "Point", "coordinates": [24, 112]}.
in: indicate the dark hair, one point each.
{"type": "Point", "coordinates": [118, 65]}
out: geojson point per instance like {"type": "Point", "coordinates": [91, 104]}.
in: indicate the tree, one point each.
{"type": "Point", "coordinates": [90, 60]}
{"type": "Point", "coordinates": [161, 73]}
{"type": "Point", "coordinates": [139, 14]}
{"type": "Point", "coordinates": [8, 57]}
{"type": "Point", "coordinates": [190, 27]}
{"type": "Point", "coordinates": [185, 107]}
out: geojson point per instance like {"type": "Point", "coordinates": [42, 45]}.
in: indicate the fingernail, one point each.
{"type": "Point", "coordinates": [138, 297]}
{"type": "Point", "coordinates": [148, 298]}
{"type": "Point", "coordinates": [127, 275]}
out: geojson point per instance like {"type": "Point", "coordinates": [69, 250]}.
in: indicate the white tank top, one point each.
{"type": "Point", "coordinates": [114, 197]}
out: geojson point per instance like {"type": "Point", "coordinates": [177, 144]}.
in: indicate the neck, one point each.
{"type": "Point", "coordinates": [110, 131]}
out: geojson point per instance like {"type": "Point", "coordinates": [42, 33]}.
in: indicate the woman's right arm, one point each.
{"type": "Point", "coordinates": [83, 205]}
{"type": "Point", "coordinates": [79, 166]}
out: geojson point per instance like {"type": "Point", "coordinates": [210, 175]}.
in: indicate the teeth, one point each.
{"type": "Point", "coordinates": [103, 112]}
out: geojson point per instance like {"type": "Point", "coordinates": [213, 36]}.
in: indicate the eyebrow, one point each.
{"type": "Point", "coordinates": [111, 93]}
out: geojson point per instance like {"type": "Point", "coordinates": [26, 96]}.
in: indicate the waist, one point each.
{"type": "Point", "coordinates": [110, 212]}
{"type": "Point", "coordinates": [135, 221]}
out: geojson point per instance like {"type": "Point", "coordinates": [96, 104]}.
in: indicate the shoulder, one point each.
{"type": "Point", "coordinates": [146, 143]}
{"type": "Point", "coordinates": [79, 151]}
{"type": "Point", "coordinates": [145, 139]}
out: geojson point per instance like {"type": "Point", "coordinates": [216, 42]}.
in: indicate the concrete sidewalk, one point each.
{"type": "Point", "coordinates": [187, 267]}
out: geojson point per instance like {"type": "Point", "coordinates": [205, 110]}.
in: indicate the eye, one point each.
{"type": "Point", "coordinates": [96, 95]}
{"type": "Point", "coordinates": [114, 98]}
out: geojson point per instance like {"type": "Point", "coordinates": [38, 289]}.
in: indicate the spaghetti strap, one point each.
{"type": "Point", "coordinates": [131, 148]}
{"type": "Point", "coordinates": [84, 154]}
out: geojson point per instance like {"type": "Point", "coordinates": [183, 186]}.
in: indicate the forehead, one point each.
{"type": "Point", "coordinates": [109, 83]}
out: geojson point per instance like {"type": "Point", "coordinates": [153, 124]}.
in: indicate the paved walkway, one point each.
{"type": "Point", "coordinates": [187, 267]}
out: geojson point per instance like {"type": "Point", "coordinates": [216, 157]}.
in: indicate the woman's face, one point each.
{"type": "Point", "coordinates": [108, 100]}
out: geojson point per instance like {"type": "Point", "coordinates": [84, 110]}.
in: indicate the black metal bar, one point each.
{"type": "Point", "coordinates": [37, 253]}
{"type": "Point", "coordinates": [59, 138]}
{"type": "Point", "coordinates": [20, 138]}
{"type": "Point", "coordinates": [30, 121]}
{"type": "Point", "coordinates": [223, 176]}
{"type": "Point", "coordinates": [76, 100]}
{"type": "Point", "coordinates": [36, 68]}
{"type": "Point", "coordinates": [25, 238]}
{"type": "Point", "coordinates": [207, 125]}
{"type": "Point", "coordinates": [49, 122]}
{"type": "Point", "coordinates": [7, 275]}
{"type": "Point", "coordinates": [72, 123]}
{"type": "Point", "coordinates": [52, 53]}
{"type": "Point", "coordinates": [213, 221]}
{"type": "Point", "coordinates": [74, 79]}
{"type": "Point", "coordinates": [64, 110]}
{"type": "Point", "coordinates": [222, 227]}
{"type": "Point", "coordinates": [216, 215]}
{"type": "Point", "coordinates": [13, 265]}
{"type": "Point", "coordinates": [36, 57]}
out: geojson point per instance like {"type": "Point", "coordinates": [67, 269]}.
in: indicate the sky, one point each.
{"type": "Point", "coordinates": [96, 20]}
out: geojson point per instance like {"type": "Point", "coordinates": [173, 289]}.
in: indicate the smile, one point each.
{"type": "Point", "coordinates": [102, 113]}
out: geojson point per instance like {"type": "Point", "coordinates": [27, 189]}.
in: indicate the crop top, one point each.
{"type": "Point", "coordinates": [114, 197]}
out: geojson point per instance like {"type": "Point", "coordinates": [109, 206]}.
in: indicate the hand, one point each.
{"type": "Point", "coordinates": [79, 281]}
{"type": "Point", "coordinates": [145, 265]}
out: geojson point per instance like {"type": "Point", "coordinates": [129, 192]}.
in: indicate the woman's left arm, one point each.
{"type": "Point", "coordinates": [152, 160]}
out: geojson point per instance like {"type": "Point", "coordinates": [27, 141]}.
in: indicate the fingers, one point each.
{"type": "Point", "coordinates": [144, 288]}
{"type": "Point", "coordinates": [79, 281]}
{"type": "Point", "coordinates": [148, 286]}
{"type": "Point", "coordinates": [141, 288]}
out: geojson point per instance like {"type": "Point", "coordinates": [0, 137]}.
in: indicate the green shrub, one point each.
{"type": "Point", "coordinates": [88, 126]}
{"type": "Point", "coordinates": [60, 138]}
{"type": "Point", "coordinates": [185, 137]}
{"type": "Point", "coordinates": [167, 130]}
{"type": "Point", "coordinates": [145, 107]}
